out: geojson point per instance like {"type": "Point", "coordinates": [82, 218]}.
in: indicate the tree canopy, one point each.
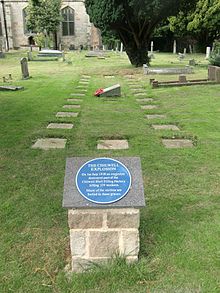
{"type": "Point", "coordinates": [134, 21]}
{"type": "Point", "coordinates": [203, 22]}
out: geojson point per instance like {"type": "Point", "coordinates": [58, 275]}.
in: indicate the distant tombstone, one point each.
{"type": "Point", "coordinates": [184, 51]}
{"type": "Point", "coordinates": [2, 55]}
{"type": "Point", "coordinates": [182, 78]}
{"type": "Point", "coordinates": [29, 56]}
{"type": "Point", "coordinates": [121, 49]}
{"type": "Point", "coordinates": [24, 68]}
{"type": "Point", "coordinates": [208, 52]}
{"type": "Point", "coordinates": [152, 47]}
{"type": "Point", "coordinates": [174, 47]}
{"type": "Point", "coordinates": [192, 62]}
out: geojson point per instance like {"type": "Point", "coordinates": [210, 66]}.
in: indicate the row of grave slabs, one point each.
{"type": "Point", "coordinates": [105, 184]}
{"type": "Point", "coordinates": [141, 97]}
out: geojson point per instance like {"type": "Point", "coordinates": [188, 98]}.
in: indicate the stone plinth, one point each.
{"type": "Point", "coordinates": [100, 231]}
{"type": "Point", "coordinates": [98, 234]}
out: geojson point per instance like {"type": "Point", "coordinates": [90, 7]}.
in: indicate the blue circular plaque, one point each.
{"type": "Point", "coordinates": [103, 180]}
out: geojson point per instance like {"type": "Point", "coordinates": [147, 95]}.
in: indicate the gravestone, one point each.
{"type": "Point", "coordinates": [208, 52]}
{"type": "Point", "coordinates": [174, 47]}
{"type": "Point", "coordinates": [24, 68]}
{"type": "Point", "coordinates": [11, 88]}
{"type": "Point", "coordinates": [112, 91]}
{"type": "Point", "coordinates": [2, 55]}
{"type": "Point", "coordinates": [103, 197]}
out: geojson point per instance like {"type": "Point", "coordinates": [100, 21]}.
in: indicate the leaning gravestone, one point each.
{"type": "Point", "coordinates": [103, 197]}
{"type": "Point", "coordinates": [24, 68]}
{"type": "Point", "coordinates": [2, 55]}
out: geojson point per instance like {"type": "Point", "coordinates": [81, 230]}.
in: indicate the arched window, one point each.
{"type": "Point", "coordinates": [68, 21]}
{"type": "Point", "coordinates": [24, 12]}
{"type": "Point", "coordinates": [0, 27]}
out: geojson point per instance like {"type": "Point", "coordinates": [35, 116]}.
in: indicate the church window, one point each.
{"type": "Point", "coordinates": [68, 21]}
{"type": "Point", "coordinates": [25, 21]}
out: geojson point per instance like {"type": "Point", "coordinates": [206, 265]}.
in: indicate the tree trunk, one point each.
{"type": "Point", "coordinates": [137, 55]}
{"type": "Point", "coordinates": [136, 47]}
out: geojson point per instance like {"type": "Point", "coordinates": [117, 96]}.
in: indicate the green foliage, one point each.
{"type": "Point", "coordinates": [201, 22]}
{"type": "Point", "coordinates": [215, 56]}
{"type": "Point", "coordinates": [110, 39]}
{"type": "Point", "coordinates": [133, 20]}
{"type": "Point", "coordinates": [41, 41]}
{"type": "Point", "coordinates": [43, 16]}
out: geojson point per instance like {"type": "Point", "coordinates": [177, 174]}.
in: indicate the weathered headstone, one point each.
{"type": "Point", "coordinates": [152, 47]}
{"type": "Point", "coordinates": [24, 68]}
{"type": "Point", "coordinates": [2, 55]}
{"type": "Point", "coordinates": [29, 56]}
{"type": "Point", "coordinates": [208, 52]}
{"type": "Point", "coordinates": [174, 47]}
{"type": "Point", "coordinates": [103, 197]}
{"type": "Point", "coordinates": [182, 78]}
{"type": "Point", "coordinates": [121, 48]}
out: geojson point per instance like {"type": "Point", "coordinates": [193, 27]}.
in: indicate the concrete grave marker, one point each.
{"type": "Point", "coordinates": [116, 144]}
{"type": "Point", "coordinates": [74, 100]}
{"type": "Point", "coordinates": [165, 127]}
{"type": "Point", "coordinates": [177, 143]}
{"type": "Point", "coordinates": [155, 116]}
{"type": "Point", "coordinates": [66, 114]}
{"type": "Point", "coordinates": [78, 94]}
{"type": "Point", "coordinates": [103, 197]}
{"type": "Point", "coordinates": [145, 100]}
{"type": "Point", "coordinates": [60, 126]}
{"type": "Point", "coordinates": [49, 143]}
{"type": "Point", "coordinates": [148, 107]}
{"type": "Point", "coordinates": [71, 106]}
{"type": "Point", "coordinates": [24, 68]}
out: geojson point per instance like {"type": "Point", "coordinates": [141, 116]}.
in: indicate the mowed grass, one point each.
{"type": "Point", "coordinates": [180, 226]}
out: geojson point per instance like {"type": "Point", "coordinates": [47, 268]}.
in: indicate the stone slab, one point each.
{"type": "Point", "coordinates": [109, 76]}
{"type": "Point", "coordinates": [165, 127]}
{"type": "Point", "coordinates": [71, 106]}
{"type": "Point", "coordinates": [149, 107]}
{"type": "Point", "coordinates": [155, 116]}
{"type": "Point", "coordinates": [83, 82]}
{"type": "Point", "coordinates": [86, 76]}
{"type": "Point", "coordinates": [60, 126]}
{"type": "Point", "coordinates": [133, 199]}
{"type": "Point", "coordinates": [181, 70]}
{"type": "Point", "coordinates": [11, 88]}
{"type": "Point", "coordinates": [74, 100]}
{"type": "Point", "coordinates": [49, 143]}
{"type": "Point", "coordinates": [117, 144]}
{"type": "Point", "coordinates": [145, 100]}
{"type": "Point", "coordinates": [77, 94]}
{"type": "Point", "coordinates": [177, 143]}
{"type": "Point", "coordinates": [80, 87]}
{"type": "Point", "coordinates": [140, 94]}
{"type": "Point", "coordinates": [66, 114]}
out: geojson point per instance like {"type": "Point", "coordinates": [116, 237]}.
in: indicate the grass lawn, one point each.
{"type": "Point", "coordinates": [180, 227]}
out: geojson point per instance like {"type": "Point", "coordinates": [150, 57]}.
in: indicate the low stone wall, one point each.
{"type": "Point", "coordinates": [98, 234]}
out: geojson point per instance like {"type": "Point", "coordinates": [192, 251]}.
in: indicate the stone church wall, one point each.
{"type": "Point", "coordinates": [18, 38]}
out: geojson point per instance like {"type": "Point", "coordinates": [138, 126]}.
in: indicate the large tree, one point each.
{"type": "Point", "coordinates": [133, 20]}
{"type": "Point", "coordinates": [43, 16]}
